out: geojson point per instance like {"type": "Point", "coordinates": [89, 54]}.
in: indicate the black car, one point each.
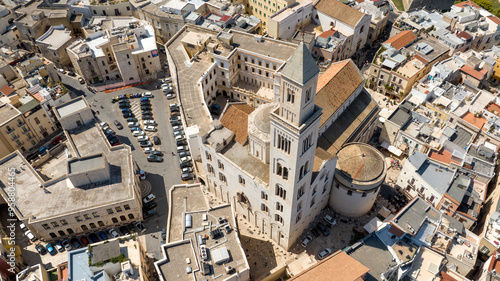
{"type": "Point", "coordinates": [155, 158]}
{"type": "Point", "coordinates": [159, 153]}
{"type": "Point", "coordinates": [124, 230]}
{"type": "Point", "coordinates": [181, 143]}
{"type": "Point", "coordinates": [75, 243]}
{"type": "Point", "coordinates": [315, 232]}
{"type": "Point", "coordinates": [186, 164]}
{"type": "Point", "coordinates": [174, 109]}
{"type": "Point", "coordinates": [71, 73]}
{"type": "Point", "coordinates": [123, 102]}
{"type": "Point", "coordinates": [175, 113]}
{"type": "Point", "coordinates": [124, 105]}
{"type": "Point", "coordinates": [118, 125]}
{"type": "Point", "coordinates": [145, 103]}
{"type": "Point", "coordinates": [146, 112]}
{"type": "Point", "coordinates": [147, 117]}
{"type": "Point", "coordinates": [149, 205]}
{"type": "Point", "coordinates": [41, 249]}
{"type": "Point", "coordinates": [128, 114]}
{"type": "Point", "coordinates": [156, 140]}
{"type": "Point", "coordinates": [175, 123]}
{"type": "Point", "coordinates": [322, 228]}
{"type": "Point", "coordinates": [93, 237]}
{"type": "Point", "coordinates": [109, 137]}
{"type": "Point", "coordinates": [131, 119]}
{"type": "Point", "coordinates": [145, 107]}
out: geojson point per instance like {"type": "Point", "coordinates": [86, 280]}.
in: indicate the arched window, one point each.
{"type": "Point", "coordinates": [131, 216]}
{"type": "Point", "coordinates": [53, 235]}
{"type": "Point", "coordinates": [84, 227]}
{"type": "Point", "coordinates": [100, 223]}
{"type": "Point", "coordinates": [70, 231]}
{"type": "Point", "coordinates": [123, 218]}
{"type": "Point", "coordinates": [115, 220]}
{"type": "Point", "coordinates": [61, 233]}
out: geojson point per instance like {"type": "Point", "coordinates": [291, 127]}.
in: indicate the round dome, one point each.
{"type": "Point", "coordinates": [3, 11]}
{"type": "Point", "coordinates": [263, 118]}
{"type": "Point", "coordinates": [360, 162]}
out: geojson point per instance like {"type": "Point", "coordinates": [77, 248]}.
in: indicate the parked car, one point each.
{"type": "Point", "coordinates": [118, 125]}
{"type": "Point", "coordinates": [180, 138]}
{"type": "Point", "coordinates": [126, 110]}
{"type": "Point", "coordinates": [128, 114]}
{"type": "Point", "coordinates": [131, 119]}
{"type": "Point", "coordinates": [186, 164]}
{"type": "Point", "coordinates": [66, 245]}
{"type": "Point", "coordinates": [148, 150]}
{"type": "Point", "coordinates": [181, 143]}
{"type": "Point", "coordinates": [60, 70]}
{"type": "Point", "coordinates": [159, 153]}
{"type": "Point", "coordinates": [167, 80]}
{"type": "Point", "coordinates": [175, 118]}
{"type": "Point", "coordinates": [23, 226]}
{"type": "Point", "coordinates": [149, 198]}
{"type": "Point", "coordinates": [187, 170]}
{"type": "Point", "coordinates": [149, 213]}
{"type": "Point", "coordinates": [156, 140]}
{"type": "Point", "coordinates": [323, 254]}
{"type": "Point", "coordinates": [57, 140]}
{"type": "Point", "coordinates": [147, 94]}
{"type": "Point", "coordinates": [149, 205]}
{"type": "Point", "coordinates": [81, 80]}
{"type": "Point", "coordinates": [75, 243]}
{"type": "Point", "coordinates": [330, 221]}
{"type": "Point", "coordinates": [124, 105]}
{"type": "Point", "coordinates": [170, 96]}
{"type": "Point", "coordinates": [138, 133]}
{"type": "Point", "coordinates": [132, 124]}
{"type": "Point", "coordinates": [142, 174]}
{"type": "Point", "coordinates": [59, 246]}
{"type": "Point", "coordinates": [144, 99]}
{"type": "Point", "coordinates": [93, 237]}
{"type": "Point", "coordinates": [315, 232]}
{"type": "Point", "coordinates": [142, 138]}
{"type": "Point", "coordinates": [50, 248]}
{"type": "Point", "coordinates": [322, 228]}
{"type": "Point", "coordinates": [40, 249]}
{"type": "Point", "coordinates": [150, 128]}
{"type": "Point", "coordinates": [123, 102]}
{"type": "Point", "coordinates": [149, 122]}
{"type": "Point", "coordinates": [71, 73]}
{"type": "Point", "coordinates": [187, 176]}
{"type": "Point", "coordinates": [145, 144]}
{"type": "Point", "coordinates": [145, 108]}
{"type": "Point", "coordinates": [173, 105]}
{"type": "Point", "coordinates": [175, 123]}
{"type": "Point", "coordinates": [103, 235]}
{"type": "Point", "coordinates": [155, 158]}
{"type": "Point", "coordinates": [306, 241]}
{"type": "Point", "coordinates": [140, 227]}
{"type": "Point", "coordinates": [182, 148]}
{"type": "Point", "coordinates": [178, 133]}
{"type": "Point", "coordinates": [109, 132]}
{"type": "Point", "coordinates": [177, 128]}
{"type": "Point", "coordinates": [184, 154]}
{"type": "Point", "coordinates": [135, 129]}
{"type": "Point", "coordinates": [175, 113]}
{"type": "Point", "coordinates": [185, 159]}
{"type": "Point", "coordinates": [84, 240]}
{"type": "Point", "coordinates": [148, 117]}
{"type": "Point", "coordinates": [113, 233]}
{"type": "Point", "coordinates": [146, 112]}
{"type": "Point", "coordinates": [30, 236]}
{"type": "Point", "coordinates": [124, 230]}
{"type": "Point", "coordinates": [146, 102]}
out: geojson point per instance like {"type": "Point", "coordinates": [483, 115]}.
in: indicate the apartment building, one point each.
{"type": "Point", "coordinates": [78, 186]}
{"type": "Point", "coordinates": [23, 127]}
{"type": "Point", "coordinates": [401, 61]}
{"type": "Point", "coordinates": [284, 23]}
{"type": "Point", "coordinates": [353, 24]}
{"type": "Point", "coordinates": [53, 43]}
{"type": "Point", "coordinates": [119, 49]}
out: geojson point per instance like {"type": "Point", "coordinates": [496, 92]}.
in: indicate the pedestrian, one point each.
{"type": "Point", "coordinates": [173, 154]}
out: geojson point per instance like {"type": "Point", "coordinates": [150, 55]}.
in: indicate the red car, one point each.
{"type": "Point", "coordinates": [84, 240]}
{"type": "Point", "coordinates": [57, 140]}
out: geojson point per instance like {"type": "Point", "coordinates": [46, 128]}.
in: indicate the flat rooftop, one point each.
{"type": "Point", "coordinates": [176, 253]}
{"type": "Point", "coordinates": [373, 254]}
{"type": "Point", "coordinates": [55, 38]}
{"type": "Point", "coordinates": [7, 112]}
{"type": "Point", "coordinates": [71, 107]}
{"type": "Point", "coordinates": [426, 266]}
{"type": "Point", "coordinates": [238, 154]}
{"type": "Point", "coordinates": [414, 215]}
{"type": "Point", "coordinates": [85, 164]}
{"type": "Point", "coordinates": [60, 197]}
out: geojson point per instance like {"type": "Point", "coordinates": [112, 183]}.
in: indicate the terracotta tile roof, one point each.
{"type": "Point", "coordinates": [467, 3]}
{"type": "Point", "coordinates": [472, 72]}
{"type": "Point", "coordinates": [335, 86]}
{"type": "Point", "coordinates": [236, 119]}
{"type": "Point", "coordinates": [396, 231]}
{"type": "Point", "coordinates": [442, 156]}
{"type": "Point", "coordinates": [446, 277]}
{"type": "Point", "coordinates": [328, 33]}
{"type": "Point", "coordinates": [477, 122]}
{"type": "Point", "coordinates": [7, 90]}
{"type": "Point", "coordinates": [402, 39]}
{"type": "Point", "coordinates": [494, 19]}
{"type": "Point", "coordinates": [464, 35]}
{"type": "Point", "coordinates": [494, 264]}
{"type": "Point", "coordinates": [424, 61]}
{"type": "Point", "coordinates": [338, 267]}
{"type": "Point", "coordinates": [339, 11]}
{"type": "Point", "coordinates": [38, 97]}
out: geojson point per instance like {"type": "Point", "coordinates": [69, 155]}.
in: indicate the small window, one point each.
{"type": "Point", "coordinates": [63, 222]}
{"type": "Point", "coordinates": [84, 227]}
{"type": "Point", "coordinates": [126, 207]}
{"type": "Point", "coordinates": [349, 192]}
{"type": "Point", "coordinates": [87, 217]}
{"type": "Point", "coordinates": [100, 223]}
{"type": "Point", "coordinates": [118, 209]}
{"type": "Point", "coordinates": [45, 226]}
{"type": "Point", "coordinates": [55, 224]}
{"type": "Point", "coordinates": [92, 225]}
{"type": "Point", "coordinates": [110, 211]}
{"type": "Point", "coordinates": [131, 216]}
{"type": "Point", "coordinates": [78, 218]}
{"type": "Point", "coordinates": [95, 214]}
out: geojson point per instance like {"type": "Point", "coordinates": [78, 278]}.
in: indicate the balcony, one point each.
{"type": "Point", "coordinates": [14, 137]}
{"type": "Point", "coordinates": [20, 144]}
{"type": "Point", "coordinates": [10, 131]}
{"type": "Point", "coordinates": [42, 129]}
{"type": "Point", "coordinates": [25, 132]}
{"type": "Point", "coordinates": [19, 124]}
